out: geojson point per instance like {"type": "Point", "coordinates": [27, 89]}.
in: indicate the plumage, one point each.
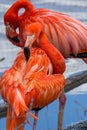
{"type": "Point", "coordinates": [59, 35]}
{"type": "Point", "coordinates": [27, 81]}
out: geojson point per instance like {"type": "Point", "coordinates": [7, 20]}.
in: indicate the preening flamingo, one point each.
{"type": "Point", "coordinates": [49, 30]}
{"type": "Point", "coordinates": [67, 34]}
{"type": "Point", "coordinates": [30, 85]}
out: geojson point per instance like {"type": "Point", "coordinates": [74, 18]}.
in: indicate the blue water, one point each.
{"type": "Point", "coordinates": [74, 112]}
{"type": "Point", "coordinates": [0, 73]}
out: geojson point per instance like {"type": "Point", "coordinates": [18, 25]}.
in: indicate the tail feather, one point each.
{"type": "Point", "coordinates": [14, 122]}
{"type": "Point", "coordinates": [19, 122]}
{"type": "Point", "coordinates": [80, 55]}
{"type": "Point", "coordinates": [17, 101]}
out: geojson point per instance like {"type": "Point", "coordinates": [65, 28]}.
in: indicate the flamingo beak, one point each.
{"type": "Point", "coordinates": [28, 44]}
{"type": "Point", "coordinates": [27, 53]}
{"type": "Point", "coordinates": [11, 33]}
{"type": "Point", "coordinates": [30, 40]}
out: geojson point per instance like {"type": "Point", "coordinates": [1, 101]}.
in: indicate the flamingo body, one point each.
{"type": "Point", "coordinates": [29, 82]}
{"type": "Point", "coordinates": [67, 34]}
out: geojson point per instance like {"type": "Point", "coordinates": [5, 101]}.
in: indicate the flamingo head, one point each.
{"type": "Point", "coordinates": [17, 13]}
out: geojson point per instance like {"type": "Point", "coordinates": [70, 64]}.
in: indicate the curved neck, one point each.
{"type": "Point", "coordinates": [13, 11]}
{"type": "Point", "coordinates": [27, 5]}
{"type": "Point", "coordinates": [53, 53]}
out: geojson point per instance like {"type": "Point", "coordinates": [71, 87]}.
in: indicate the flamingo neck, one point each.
{"type": "Point", "coordinates": [13, 16]}
{"type": "Point", "coordinates": [55, 56]}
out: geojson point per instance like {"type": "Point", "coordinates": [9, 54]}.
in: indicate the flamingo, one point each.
{"type": "Point", "coordinates": [30, 85]}
{"type": "Point", "coordinates": [39, 25]}
{"type": "Point", "coordinates": [54, 32]}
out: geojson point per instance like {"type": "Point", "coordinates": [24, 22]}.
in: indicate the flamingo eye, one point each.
{"type": "Point", "coordinates": [21, 11]}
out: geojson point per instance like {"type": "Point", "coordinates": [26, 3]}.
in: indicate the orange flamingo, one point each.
{"type": "Point", "coordinates": [30, 86]}
{"type": "Point", "coordinates": [67, 34]}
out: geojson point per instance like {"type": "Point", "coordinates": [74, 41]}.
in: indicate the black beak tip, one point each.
{"type": "Point", "coordinates": [27, 53]}
{"type": "Point", "coordinates": [15, 39]}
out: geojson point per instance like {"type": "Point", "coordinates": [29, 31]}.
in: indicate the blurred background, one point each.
{"type": "Point", "coordinates": [76, 99]}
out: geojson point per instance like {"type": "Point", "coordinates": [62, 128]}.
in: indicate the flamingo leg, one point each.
{"type": "Point", "coordinates": [36, 114]}
{"type": "Point", "coordinates": [62, 101]}
{"type": "Point", "coordinates": [35, 121]}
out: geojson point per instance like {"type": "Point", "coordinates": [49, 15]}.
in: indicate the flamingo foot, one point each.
{"type": "Point", "coordinates": [62, 101]}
